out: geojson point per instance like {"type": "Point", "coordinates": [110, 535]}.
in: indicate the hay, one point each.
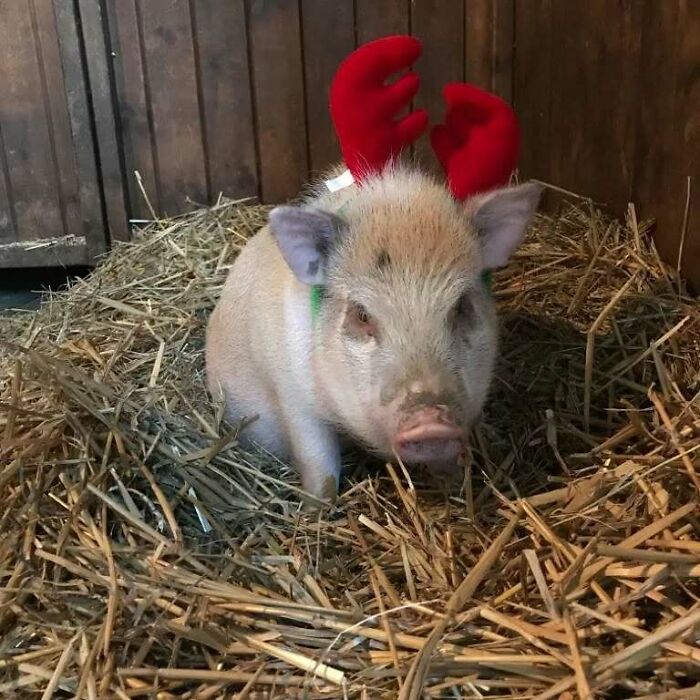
{"type": "Point", "coordinates": [144, 555]}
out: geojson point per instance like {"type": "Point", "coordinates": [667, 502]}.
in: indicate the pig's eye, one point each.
{"type": "Point", "coordinates": [358, 322]}
{"type": "Point", "coordinates": [464, 312]}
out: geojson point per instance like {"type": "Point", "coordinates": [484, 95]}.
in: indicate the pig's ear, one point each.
{"type": "Point", "coordinates": [501, 218]}
{"type": "Point", "coordinates": [304, 237]}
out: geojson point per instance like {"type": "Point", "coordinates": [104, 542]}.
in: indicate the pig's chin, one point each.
{"type": "Point", "coordinates": [432, 453]}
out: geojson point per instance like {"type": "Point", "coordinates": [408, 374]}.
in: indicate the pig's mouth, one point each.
{"type": "Point", "coordinates": [429, 436]}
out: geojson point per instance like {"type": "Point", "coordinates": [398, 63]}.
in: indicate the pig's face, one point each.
{"type": "Point", "coordinates": [407, 328]}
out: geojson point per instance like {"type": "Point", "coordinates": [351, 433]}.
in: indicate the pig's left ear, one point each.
{"type": "Point", "coordinates": [305, 237]}
{"type": "Point", "coordinates": [501, 218]}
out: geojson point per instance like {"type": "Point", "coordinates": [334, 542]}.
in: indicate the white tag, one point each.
{"type": "Point", "coordinates": [338, 183]}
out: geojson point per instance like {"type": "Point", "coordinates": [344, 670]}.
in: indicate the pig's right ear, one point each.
{"type": "Point", "coordinates": [305, 237]}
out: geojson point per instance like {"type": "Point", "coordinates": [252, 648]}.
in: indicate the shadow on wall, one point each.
{"type": "Point", "coordinates": [22, 289]}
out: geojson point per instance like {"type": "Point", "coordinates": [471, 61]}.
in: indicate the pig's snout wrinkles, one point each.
{"type": "Point", "coordinates": [429, 434]}
{"type": "Point", "coordinates": [428, 421]}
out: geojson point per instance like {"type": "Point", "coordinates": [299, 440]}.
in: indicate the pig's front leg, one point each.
{"type": "Point", "coordinates": [316, 454]}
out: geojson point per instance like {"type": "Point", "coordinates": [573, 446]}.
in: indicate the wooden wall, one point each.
{"type": "Point", "coordinates": [608, 93]}
{"type": "Point", "coordinates": [203, 97]}
{"type": "Point", "coordinates": [54, 87]}
{"type": "Point", "coordinates": [48, 188]}
{"type": "Point", "coordinates": [232, 96]}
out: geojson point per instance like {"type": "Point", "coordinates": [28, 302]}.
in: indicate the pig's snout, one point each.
{"type": "Point", "coordinates": [429, 435]}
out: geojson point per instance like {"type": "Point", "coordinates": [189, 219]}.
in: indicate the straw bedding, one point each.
{"type": "Point", "coordinates": [144, 555]}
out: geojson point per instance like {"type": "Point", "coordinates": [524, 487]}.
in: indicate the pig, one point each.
{"type": "Point", "coordinates": [363, 313]}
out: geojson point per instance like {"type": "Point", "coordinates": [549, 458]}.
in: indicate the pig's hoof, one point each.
{"type": "Point", "coordinates": [327, 494]}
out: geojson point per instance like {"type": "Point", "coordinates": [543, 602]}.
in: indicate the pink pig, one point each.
{"type": "Point", "coordinates": [400, 353]}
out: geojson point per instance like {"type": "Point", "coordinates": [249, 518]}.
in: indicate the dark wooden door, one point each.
{"type": "Point", "coordinates": [52, 206]}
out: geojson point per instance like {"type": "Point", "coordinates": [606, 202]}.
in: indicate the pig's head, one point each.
{"type": "Point", "coordinates": [406, 333]}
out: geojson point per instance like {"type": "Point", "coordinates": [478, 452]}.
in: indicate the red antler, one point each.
{"type": "Point", "coordinates": [363, 108]}
{"type": "Point", "coordinates": [479, 143]}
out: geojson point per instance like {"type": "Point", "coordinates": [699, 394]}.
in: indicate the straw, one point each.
{"type": "Point", "coordinates": [144, 554]}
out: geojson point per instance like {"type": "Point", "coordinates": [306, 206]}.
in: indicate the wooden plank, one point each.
{"type": "Point", "coordinates": [503, 48]}
{"type": "Point", "coordinates": [174, 103]}
{"type": "Point", "coordinates": [687, 151]}
{"type": "Point", "coordinates": [93, 25]}
{"type": "Point", "coordinates": [8, 227]}
{"type": "Point", "coordinates": [137, 142]}
{"type": "Point", "coordinates": [378, 18]}
{"type": "Point", "coordinates": [439, 24]}
{"type": "Point", "coordinates": [60, 252]}
{"type": "Point", "coordinates": [609, 155]}
{"type": "Point", "coordinates": [489, 27]}
{"type": "Point", "coordinates": [478, 43]}
{"type": "Point", "coordinates": [54, 89]}
{"type": "Point", "coordinates": [594, 152]}
{"type": "Point", "coordinates": [275, 46]}
{"type": "Point", "coordinates": [668, 137]}
{"type": "Point", "coordinates": [688, 115]}
{"type": "Point", "coordinates": [83, 154]}
{"type": "Point", "coordinates": [30, 159]}
{"type": "Point", "coordinates": [224, 78]}
{"type": "Point", "coordinates": [657, 132]}
{"type": "Point", "coordinates": [323, 52]}
{"type": "Point", "coordinates": [532, 86]}
{"type": "Point", "coordinates": [590, 153]}
{"type": "Point", "coordinates": [567, 97]}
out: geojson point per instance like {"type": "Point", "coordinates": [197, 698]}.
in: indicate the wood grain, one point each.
{"type": "Point", "coordinates": [688, 114]}
{"type": "Point", "coordinates": [278, 80]}
{"type": "Point", "coordinates": [578, 117]}
{"type": "Point", "coordinates": [8, 226]}
{"type": "Point", "coordinates": [24, 115]}
{"type": "Point", "coordinates": [174, 102]}
{"type": "Point", "coordinates": [231, 96]}
{"type": "Point", "coordinates": [323, 52]}
{"type": "Point", "coordinates": [82, 145]}
{"type": "Point", "coordinates": [105, 123]}
{"type": "Point", "coordinates": [133, 104]}
{"type": "Point", "coordinates": [439, 24]}
{"type": "Point", "coordinates": [604, 92]}
{"type": "Point", "coordinates": [503, 48]}
{"type": "Point", "coordinates": [478, 43]}
{"type": "Point", "coordinates": [668, 130]}
{"type": "Point", "coordinates": [135, 126]}
{"type": "Point", "coordinates": [224, 82]}
{"type": "Point", "coordinates": [377, 18]}
{"type": "Point", "coordinates": [489, 27]}
{"type": "Point", "coordinates": [532, 93]}
{"type": "Point", "coordinates": [49, 55]}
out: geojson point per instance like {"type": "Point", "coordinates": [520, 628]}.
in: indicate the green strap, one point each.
{"type": "Point", "coordinates": [316, 293]}
{"type": "Point", "coordinates": [316, 290]}
{"type": "Point", "coordinates": [316, 297]}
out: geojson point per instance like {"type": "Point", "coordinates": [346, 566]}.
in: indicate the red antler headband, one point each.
{"type": "Point", "coordinates": [477, 146]}
{"type": "Point", "coordinates": [363, 107]}
{"type": "Point", "coordinates": [479, 143]}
